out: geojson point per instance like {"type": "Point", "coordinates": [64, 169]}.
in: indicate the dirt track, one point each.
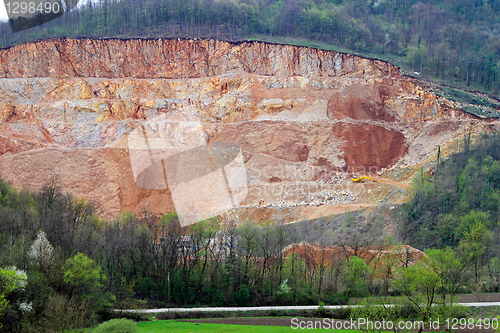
{"type": "Point", "coordinates": [325, 210]}
{"type": "Point", "coordinates": [403, 185]}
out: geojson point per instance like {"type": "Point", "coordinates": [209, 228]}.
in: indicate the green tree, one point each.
{"type": "Point", "coordinates": [448, 268]}
{"type": "Point", "coordinates": [419, 285]}
{"type": "Point", "coordinates": [82, 275]}
{"type": "Point", "coordinates": [10, 280]}
{"type": "Point", "coordinates": [416, 56]}
{"type": "Point", "coordinates": [470, 220]}
{"type": "Point", "coordinates": [356, 276]}
{"type": "Point", "coordinates": [295, 272]}
{"type": "Point", "coordinates": [62, 314]}
{"type": "Point", "coordinates": [473, 246]}
{"type": "Point", "coordinates": [494, 270]}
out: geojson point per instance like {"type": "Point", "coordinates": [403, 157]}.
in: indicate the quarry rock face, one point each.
{"type": "Point", "coordinates": [305, 120]}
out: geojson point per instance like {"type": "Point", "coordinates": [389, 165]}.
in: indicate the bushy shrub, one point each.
{"type": "Point", "coordinates": [321, 309]}
{"type": "Point", "coordinates": [117, 326]}
{"type": "Point", "coordinates": [63, 314]}
{"type": "Point", "coordinates": [108, 314]}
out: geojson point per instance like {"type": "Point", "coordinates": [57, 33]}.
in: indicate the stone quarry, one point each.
{"type": "Point", "coordinates": [304, 120]}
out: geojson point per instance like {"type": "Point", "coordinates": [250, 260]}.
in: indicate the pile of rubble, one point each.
{"type": "Point", "coordinates": [335, 197]}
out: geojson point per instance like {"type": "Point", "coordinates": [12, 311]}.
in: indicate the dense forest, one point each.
{"type": "Point", "coordinates": [455, 42]}
{"type": "Point", "coordinates": [64, 267]}
{"type": "Point", "coordinates": [459, 207]}
{"type": "Point", "coordinates": [461, 197]}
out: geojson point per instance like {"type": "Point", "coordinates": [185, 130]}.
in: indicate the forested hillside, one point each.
{"type": "Point", "coordinates": [464, 188]}
{"type": "Point", "coordinates": [456, 42]}
{"type": "Point", "coordinates": [459, 206]}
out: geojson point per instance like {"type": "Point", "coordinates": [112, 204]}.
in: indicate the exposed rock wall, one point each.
{"type": "Point", "coordinates": [177, 59]}
{"type": "Point", "coordinates": [305, 119]}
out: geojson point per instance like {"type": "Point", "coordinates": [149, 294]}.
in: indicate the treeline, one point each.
{"type": "Point", "coordinates": [456, 42]}
{"type": "Point", "coordinates": [62, 267]}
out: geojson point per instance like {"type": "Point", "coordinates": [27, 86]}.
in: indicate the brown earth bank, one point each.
{"type": "Point", "coordinates": [316, 255]}
{"type": "Point", "coordinates": [476, 298]}
{"type": "Point", "coordinates": [306, 120]}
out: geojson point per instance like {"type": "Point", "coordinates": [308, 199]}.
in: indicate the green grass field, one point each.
{"type": "Point", "coordinates": [184, 327]}
{"type": "Point", "coordinates": [193, 327]}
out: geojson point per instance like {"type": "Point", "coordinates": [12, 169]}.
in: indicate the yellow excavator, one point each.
{"type": "Point", "coordinates": [359, 179]}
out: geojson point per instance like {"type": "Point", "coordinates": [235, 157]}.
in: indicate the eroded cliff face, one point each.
{"type": "Point", "coordinates": [177, 59]}
{"type": "Point", "coordinates": [305, 120]}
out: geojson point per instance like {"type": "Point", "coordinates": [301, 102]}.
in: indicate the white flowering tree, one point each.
{"type": "Point", "coordinates": [11, 279]}
{"type": "Point", "coordinates": [41, 252]}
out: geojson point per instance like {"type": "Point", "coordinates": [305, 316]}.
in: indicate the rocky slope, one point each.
{"type": "Point", "coordinates": [305, 120]}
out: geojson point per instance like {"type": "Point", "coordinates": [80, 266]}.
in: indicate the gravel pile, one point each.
{"type": "Point", "coordinates": [335, 197]}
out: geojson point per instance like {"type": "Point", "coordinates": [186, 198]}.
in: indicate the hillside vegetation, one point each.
{"type": "Point", "coordinates": [64, 267]}
{"type": "Point", "coordinates": [464, 189]}
{"type": "Point", "coordinates": [459, 206]}
{"type": "Point", "coordinates": [455, 42]}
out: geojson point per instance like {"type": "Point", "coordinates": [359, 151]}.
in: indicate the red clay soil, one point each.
{"type": "Point", "coordinates": [361, 102]}
{"type": "Point", "coordinates": [370, 147]}
{"type": "Point", "coordinates": [366, 145]}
